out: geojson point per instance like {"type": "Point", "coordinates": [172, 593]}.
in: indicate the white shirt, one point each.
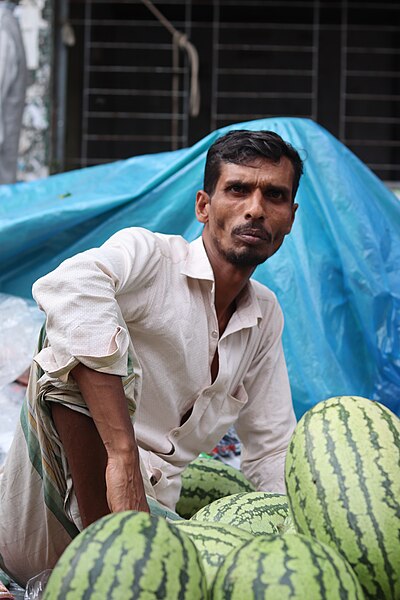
{"type": "Point", "coordinates": [152, 296]}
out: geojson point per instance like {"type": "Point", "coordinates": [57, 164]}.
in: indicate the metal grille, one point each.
{"type": "Point", "coordinates": [265, 60]}
{"type": "Point", "coordinates": [134, 100]}
{"type": "Point", "coordinates": [336, 62]}
{"type": "Point", "coordinates": [370, 87]}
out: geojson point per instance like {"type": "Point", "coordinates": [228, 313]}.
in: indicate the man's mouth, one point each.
{"type": "Point", "coordinates": [252, 235]}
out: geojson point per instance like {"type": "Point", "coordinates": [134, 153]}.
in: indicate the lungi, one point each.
{"type": "Point", "coordinates": [39, 513]}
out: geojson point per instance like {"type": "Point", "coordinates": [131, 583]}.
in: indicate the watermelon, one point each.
{"type": "Point", "coordinates": [281, 567]}
{"type": "Point", "coordinates": [214, 541]}
{"type": "Point", "coordinates": [256, 512]}
{"type": "Point", "coordinates": [205, 480]}
{"type": "Point", "coordinates": [343, 485]}
{"type": "Point", "coordinates": [130, 556]}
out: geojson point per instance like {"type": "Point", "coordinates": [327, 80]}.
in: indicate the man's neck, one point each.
{"type": "Point", "coordinates": [230, 280]}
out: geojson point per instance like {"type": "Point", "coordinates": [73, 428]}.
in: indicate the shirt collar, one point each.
{"type": "Point", "coordinates": [197, 264]}
{"type": "Point", "coordinates": [248, 311]}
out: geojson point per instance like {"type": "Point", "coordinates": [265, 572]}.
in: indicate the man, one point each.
{"type": "Point", "coordinates": [174, 332]}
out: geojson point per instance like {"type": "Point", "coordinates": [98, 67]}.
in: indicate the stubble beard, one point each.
{"type": "Point", "coordinates": [247, 257]}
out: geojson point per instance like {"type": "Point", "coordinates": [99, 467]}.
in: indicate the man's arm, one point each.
{"type": "Point", "coordinates": [267, 421]}
{"type": "Point", "coordinates": [102, 454]}
{"type": "Point", "coordinates": [89, 340]}
{"type": "Point", "coordinates": [84, 323]}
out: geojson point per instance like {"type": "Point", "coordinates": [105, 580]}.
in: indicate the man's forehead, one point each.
{"type": "Point", "coordinates": [259, 168]}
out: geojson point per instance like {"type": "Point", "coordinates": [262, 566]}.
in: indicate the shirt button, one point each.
{"type": "Point", "coordinates": [175, 433]}
{"type": "Point", "coordinates": [214, 334]}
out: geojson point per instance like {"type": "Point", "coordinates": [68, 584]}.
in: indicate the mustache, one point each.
{"type": "Point", "coordinates": [253, 229]}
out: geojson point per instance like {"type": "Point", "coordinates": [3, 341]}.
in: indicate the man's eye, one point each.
{"type": "Point", "coordinates": [276, 194]}
{"type": "Point", "coordinates": [237, 188]}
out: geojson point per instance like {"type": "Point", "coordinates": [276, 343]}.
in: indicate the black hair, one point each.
{"type": "Point", "coordinates": [242, 147]}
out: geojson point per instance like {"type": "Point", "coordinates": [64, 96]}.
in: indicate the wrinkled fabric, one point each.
{"type": "Point", "coordinates": [337, 276]}
{"type": "Point", "coordinates": [39, 513]}
{"type": "Point", "coordinates": [151, 299]}
{"type": "Point", "coordinates": [13, 80]}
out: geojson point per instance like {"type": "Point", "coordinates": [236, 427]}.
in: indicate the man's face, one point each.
{"type": "Point", "coordinates": [250, 211]}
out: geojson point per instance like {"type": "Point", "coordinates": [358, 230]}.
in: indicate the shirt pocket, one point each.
{"type": "Point", "coordinates": [234, 403]}
{"type": "Point", "coordinates": [160, 471]}
{"type": "Point", "coordinates": [216, 420]}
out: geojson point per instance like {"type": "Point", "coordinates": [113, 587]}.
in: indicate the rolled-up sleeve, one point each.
{"type": "Point", "coordinates": [84, 323]}
{"type": "Point", "coordinates": [266, 423]}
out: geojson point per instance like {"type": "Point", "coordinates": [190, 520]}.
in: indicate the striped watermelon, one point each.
{"type": "Point", "coordinates": [256, 512]}
{"type": "Point", "coordinates": [205, 480]}
{"type": "Point", "coordinates": [280, 567]}
{"type": "Point", "coordinates": [214, 541]}
{"type": "Point", "coordinates": [129, 556]}
{"type": "Point", "coordinates": [343, 485]}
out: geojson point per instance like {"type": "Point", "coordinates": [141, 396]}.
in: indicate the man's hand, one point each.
{"type": "Point", "coordinates": [102, 453]}
{"type": "Point", "coordinates": [124, 486]}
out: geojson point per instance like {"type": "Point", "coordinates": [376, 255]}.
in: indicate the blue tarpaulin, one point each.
{"type": "Point", "coordinates": [337, 276]}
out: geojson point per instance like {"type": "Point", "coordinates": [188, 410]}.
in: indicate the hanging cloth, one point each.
{"type": "Point", "coordinates": [13, 80]}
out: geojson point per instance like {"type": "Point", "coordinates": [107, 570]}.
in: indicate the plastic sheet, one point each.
{"type": "Point", "coordinates": [21, 321]}
{"type": "Point", "coordinates": [36, 586]}
{"type": "Point", "coordinates": [14, 591]}
{"type": "Point", "coordinates": [337, 275]}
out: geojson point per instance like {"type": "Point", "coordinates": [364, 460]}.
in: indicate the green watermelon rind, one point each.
{"type": "Point", "coordinates": [293, 566]}
{"type": "Point", "coordinates": [130, 555]}
{"type": "Point", "coordinates": [205, 480]}
{"type": "Point", "coordinates": [214, 541]}
{"type": "Point", "coordinates": [257, 512]}
{"type": "Point", "coordinates": [343, 483]}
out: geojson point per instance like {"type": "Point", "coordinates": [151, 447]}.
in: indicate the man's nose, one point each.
{"type": "Point", "coordinates": [255, 207]}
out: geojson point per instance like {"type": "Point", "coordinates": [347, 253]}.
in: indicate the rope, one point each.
{"type": "Point", "coordinates": [182, 41]}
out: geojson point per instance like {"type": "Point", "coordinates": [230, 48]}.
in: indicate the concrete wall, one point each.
{"type": "Point", "coordinates": [35, 17]}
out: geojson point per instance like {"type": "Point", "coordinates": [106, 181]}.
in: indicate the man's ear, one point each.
{"type": "Point", "coordinates": [202, 206]}
{"type": "Point", "coordinates": [294, 209]}
{"type": "Point", "coordinates": [293, 215]}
